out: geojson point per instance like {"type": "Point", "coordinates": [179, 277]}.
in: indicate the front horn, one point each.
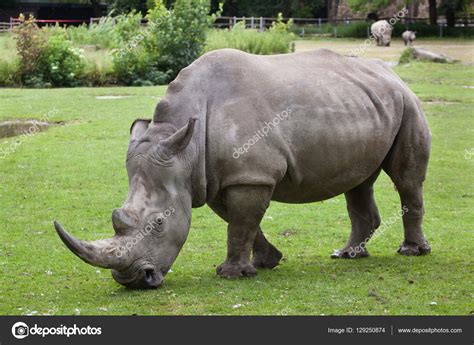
{"type": "Point", "coordinates": [101, 253]}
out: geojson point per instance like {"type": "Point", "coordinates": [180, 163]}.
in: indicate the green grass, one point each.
{"type": "Point", "coordinates": [8, 60]}
{"type": "Point", "coordinates": [250, 41]}
{"type": "Point", "coordinates": [75, 173]}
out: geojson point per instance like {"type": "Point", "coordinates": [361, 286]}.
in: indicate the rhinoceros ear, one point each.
{"type": "Point", "coordinates": [178, 141]}
{"type": "Point", "coordinates": [138, 127]}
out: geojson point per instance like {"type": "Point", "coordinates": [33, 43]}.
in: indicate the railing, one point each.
{"type": "Point", "coordinates": [264, 22]}
{"type": "Point", "coordinates": [259, 23]}
{"type": "Point", "coordinates": [4, 27]}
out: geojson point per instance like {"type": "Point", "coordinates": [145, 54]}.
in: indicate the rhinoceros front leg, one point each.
{"type": "Point", "coordinates": [265, 254]}
{"type": "Point", "coordinates": [365, 219]}
{"type": "Point", "coordinates": [246, 206]}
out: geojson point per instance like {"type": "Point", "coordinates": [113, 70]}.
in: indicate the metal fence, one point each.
{"type": "Point", "coordinates": [257, 23]}
{"type": "Point", "coordinates": [262, 23]}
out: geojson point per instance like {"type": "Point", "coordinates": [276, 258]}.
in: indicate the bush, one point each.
{"type": "Point", "coordinates": [406, 57]}
{"type": "Point", "coordinates": [46, 61]}
{"type": "Point", "coordinates": [177, 37]}
{"type": "Point", "coordinates": [172, 40]}
{"type": "Point", "coordinates": [137, 68]}
{"type": "Point", "coordinates": [250, 41]}
{"type": "Point", "coordinates": [61, 63]}
{"type": "Point", "coordinates": [281, 27]}
{"type": "Point", "coordinates": [31, 43]}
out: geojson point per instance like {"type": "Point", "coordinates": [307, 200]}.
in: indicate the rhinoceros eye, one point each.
{"type": "Point", "coordinates": [159, 221]}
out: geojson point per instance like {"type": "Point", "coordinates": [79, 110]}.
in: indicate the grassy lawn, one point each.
{"type": "Point", "coordinates": [75, 173]}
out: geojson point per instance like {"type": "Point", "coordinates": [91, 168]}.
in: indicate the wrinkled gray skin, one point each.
{"type": "Point", "coordinates": [409, 37]}
{"type": "Point", "coordinates": [350, 118]}
{"type": "Point", "coordinates": [382, 31]}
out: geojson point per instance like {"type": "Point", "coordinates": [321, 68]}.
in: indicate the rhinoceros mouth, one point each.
{"type": "Point", "coordinates": [144, 278]}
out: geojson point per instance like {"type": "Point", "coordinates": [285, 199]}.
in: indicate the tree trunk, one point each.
{"type": "Point", "coordinates": [450, 17]}
{"type": "Point", "coordinates": [433, 13]}
{"type": "Point", "coordinates": [333, 9]}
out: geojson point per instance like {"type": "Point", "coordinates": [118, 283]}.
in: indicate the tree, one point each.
{"type": "Point", "coordinates": [451, 8]}
{"type": "Point", "coordinates": [433, 12]}
{"type": "Point", "coordinates": [367, 5]}
{"type": "Point", "coordinates": [271, 8]}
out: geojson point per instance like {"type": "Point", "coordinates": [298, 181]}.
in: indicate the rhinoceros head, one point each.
{"type": "Point", "coordinates": [153, 223]}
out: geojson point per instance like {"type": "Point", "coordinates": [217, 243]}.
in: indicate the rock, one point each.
{"type": "Point", "coordinates": [426, 55]}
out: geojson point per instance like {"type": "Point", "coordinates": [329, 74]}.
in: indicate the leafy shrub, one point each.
{"type": "Point", "coordinates": [250, 41]}
{"type": "Point", "coordinates": [177, 37]}
{"type": "Point", "coordinates": [280, 26]}
{"type": "Point", "coordinates": [46, 61]}
{"type": "Point", "coordinates": [406, 57]}
{"type": "Point", "coordinates": [61, 63]}
{"type": "Point", "coordinates": [172, 40]}
{"type": "Point", "coordinates": [127, 26]}
{"type": "Point", "coordinates": [30, 43]}
{"type": "Point", "coordinates": [138, 69]}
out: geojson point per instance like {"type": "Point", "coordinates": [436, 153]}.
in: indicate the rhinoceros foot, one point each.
{"type": "Point", "coordinates": [414, 249]}
{"type": "Point", "coordinates": [350, 253]}
{"type": "Point", "coordinates": [267, 259]}
{"type": "Point", "coordinates": [235, 270]}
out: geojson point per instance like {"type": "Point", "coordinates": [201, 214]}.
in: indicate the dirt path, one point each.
{"type": "Point", "coordinates": [458, 49]}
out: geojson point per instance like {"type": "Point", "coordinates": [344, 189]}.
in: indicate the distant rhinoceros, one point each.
{"type": "Point", "coordinates": [382, 32]}
{"type": "Point", "coordinates": [236, 131]}
{"type": "Point", "coordinates": [408, 37]}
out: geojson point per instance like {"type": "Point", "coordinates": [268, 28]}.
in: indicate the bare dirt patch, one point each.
{"type": "Point", "coordinates": [458, 49]}
{"type": "Point", "coordinates": [14, 128]}
{"type": "Point", "coordinates": [112, 97]}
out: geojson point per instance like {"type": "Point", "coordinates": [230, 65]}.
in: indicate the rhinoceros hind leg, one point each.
{"type": "Point", "coordinates": [414, 249]}
{"type": "Point", "coordinates": [265, 255]}
{"type": "Point", "coordinates": [365, 219]}
{"type": "Point", "coordinates": [406, 164]}
{"type": "Point", "coordinates": [245, 206]}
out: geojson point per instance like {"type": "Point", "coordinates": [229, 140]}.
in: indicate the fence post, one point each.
{"type": "Point", "coordinates": [230, 23]}
{"type": "Point", "coordinates": [235, 20]}
{"type": "Point", "coordinates": [245, 24]}
{"type": "Point", "coordinates": [441, 30]}
{"type": "Point", "coordinates": [252, 24]}
{"type": "Point", "coordinates": [262, 23]}
{"type": "Point", "coordinates": [335, 32]}
{"type": "Point", "coordinates": [11, 23]}
{"type": "Point", "coordinates": [319, 21]}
